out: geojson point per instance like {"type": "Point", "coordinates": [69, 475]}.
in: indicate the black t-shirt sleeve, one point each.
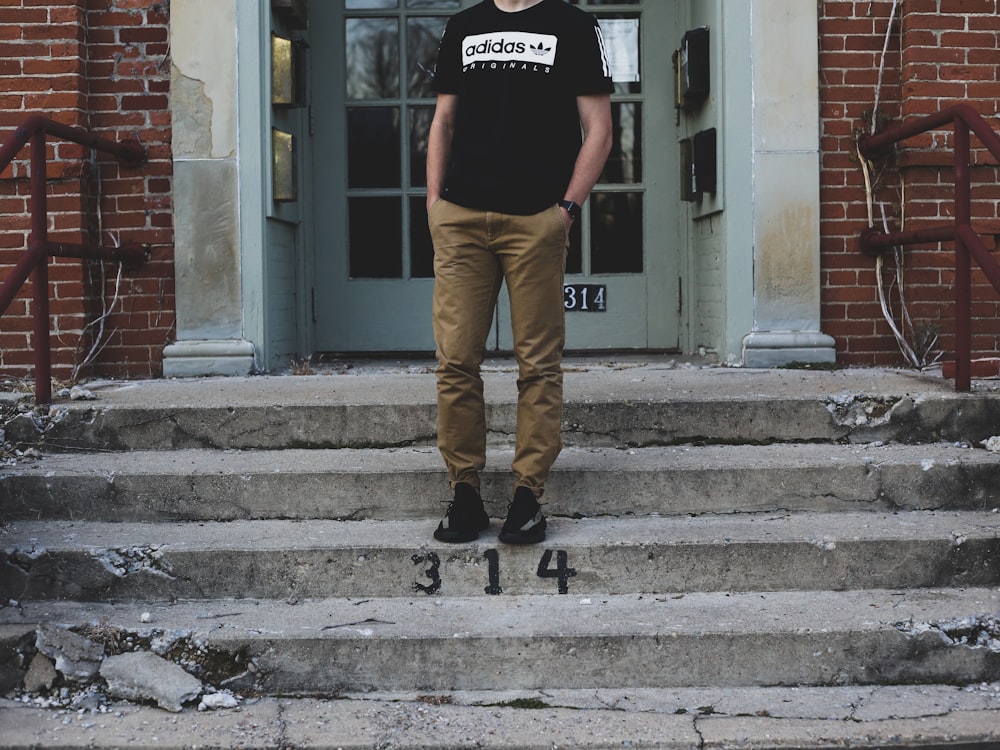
{"type": "Point", "coordinates": [448, 70]}
{"type": "Point", "coordinates": [592, 71]}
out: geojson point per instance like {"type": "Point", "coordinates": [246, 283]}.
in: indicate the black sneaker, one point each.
{"type": "Point", "coordinates": [465, 518]}
{"type": "Point", "coordinates": [525, 523]}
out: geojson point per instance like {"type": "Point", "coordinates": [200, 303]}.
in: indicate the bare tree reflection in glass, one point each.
{"type": "Point", "coordinates": [422, 38]}
{"type": "Point", "coordinates": [372, 48]}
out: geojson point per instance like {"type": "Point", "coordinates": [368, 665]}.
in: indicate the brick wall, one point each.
{"type": "Point", "coordinates": [101, 65]}
{"type": "Point", "coordinates": [940, 52]}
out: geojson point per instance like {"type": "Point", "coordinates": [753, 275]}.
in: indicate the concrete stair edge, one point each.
{"type": "Point", "coordinates": [100, 561]}
{"type": "Point", "coordinates": [624, 422]}
{"type": "Point", "coordinates": [784, 638]}
{"type": "Point", "coordinates": [410, 482]}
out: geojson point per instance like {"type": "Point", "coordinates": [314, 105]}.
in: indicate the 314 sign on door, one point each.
{"type": "Point", "coordinates": [585, 297]}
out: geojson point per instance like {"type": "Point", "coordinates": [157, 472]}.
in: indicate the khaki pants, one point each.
{"type": "Point", "coordinates": [474, 251]}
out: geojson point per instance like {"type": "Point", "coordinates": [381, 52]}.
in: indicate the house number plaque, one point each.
{"type": "Point", "coordinates": [585, 297]}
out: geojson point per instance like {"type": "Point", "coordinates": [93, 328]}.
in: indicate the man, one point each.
{"type": "Point", "coordinates": [507, 170]}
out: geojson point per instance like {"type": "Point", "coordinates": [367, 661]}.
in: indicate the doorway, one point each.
{"type": "Point", "coordinates": [372, 106]}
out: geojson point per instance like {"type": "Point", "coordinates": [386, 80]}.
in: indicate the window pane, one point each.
{"type": "Point", "coordinates": [421, 248]}
{"type": "Point", "coordinates": [622, 40]}
{"type": "Point", "coordinates": [366, 4]}
{"type": "Point", "coordinates": [372, 49]}
{"type": "Point", "coordinates": [422, 37]}
{"type": "Point", "coordinates": [373, 158]}
{"type": "Point", "coordinates": [420, 124]}
{"type": "Point", "coordinates": [574, 256]}
{"type": "Point", "coordinates": [376, 237]}
{"type": "Point", "coordinates": [616, 233]}
{"type": "Point", "coordinates": [624, 165]}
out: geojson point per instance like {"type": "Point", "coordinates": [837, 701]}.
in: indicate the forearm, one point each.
{"type": "Point", "coordinates": [595, 114]}
{"type": "Point", "coordinates": [589, 164]}
{"type": "Point", "coordinates": [438, 151]}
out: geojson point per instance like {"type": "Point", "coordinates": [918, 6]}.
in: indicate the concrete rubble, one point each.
{"type": "Point", "coordinates": [127, 561]}
{"type": "Point", "coordinates": [76, 657]}
{"type": "Point", "coordinates": [41, 675]}
{"type": "Point", "coordinates": [217, 701]}
{"type": "Point", "coordinates": [142, 676]}
{"type": "Point", "coordinates": [61, 669]}
{"type": "Point", "coordinates": [975, 632]}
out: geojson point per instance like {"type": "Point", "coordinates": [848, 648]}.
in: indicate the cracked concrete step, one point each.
{"type": "Point", "coordinates": [645, 405]}
{"type": "Point", "coordinates": [410, 482]}
{"type": "Point", "coordinates": [566, 642]}
{"type": "Point", "coordinates": [847, 703]}
{"type": "Point", "coordinates": [294, 559]}
{"type": "Point", "coordinates": [934, 716]}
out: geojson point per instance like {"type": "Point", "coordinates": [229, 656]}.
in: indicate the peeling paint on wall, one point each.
{"type": "Point", "coordinates": [192, 108]}
{"type": "Point", "coordinates": [203, 88]}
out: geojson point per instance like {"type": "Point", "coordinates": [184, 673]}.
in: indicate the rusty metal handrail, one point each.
{"type": "Point", "coordinates": [35, 261]}
{"type": "Point", "coordinates": [968, 244]}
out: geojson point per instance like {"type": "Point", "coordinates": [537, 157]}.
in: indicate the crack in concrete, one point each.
{"type": "Point", "coordinates": [282, 725]}
{"type": "Point", "coordinates": [697, 730]}
{"type": "Point", "coordinates": [22, 559]}
{"type": "Point", "coordinates": [199, 441]}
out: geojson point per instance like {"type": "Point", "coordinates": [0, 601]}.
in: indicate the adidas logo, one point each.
{"type": "Point", "coordinates": [496, 47]}
{"type": "Point", "coordinates": [509, 47]}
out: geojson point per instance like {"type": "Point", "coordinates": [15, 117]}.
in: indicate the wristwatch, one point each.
{"type": "Point", "coordinates": [573, 209]}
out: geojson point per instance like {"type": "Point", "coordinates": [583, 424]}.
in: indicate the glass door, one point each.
{"type": "Point", "coordinates": [372, 107]}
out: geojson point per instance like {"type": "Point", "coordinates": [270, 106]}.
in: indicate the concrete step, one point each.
{"type": "Point", "coordinates": [712, 530]}
{"type": "Point", "coordinates": [326, 647]}
{"type": "Point", "coordinates": [91, 561]}
{"type": "Point", "coordinates": [410, 483]}
{"type": "Point", "coordinates": [862, 718]}
{"type": "Point", "coordinates": [606, 405]}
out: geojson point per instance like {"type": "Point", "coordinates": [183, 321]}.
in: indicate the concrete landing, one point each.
{"type": "Point", "coordinates": [923, 717]}
{"type": "Point", "coordinates": [679, 403]}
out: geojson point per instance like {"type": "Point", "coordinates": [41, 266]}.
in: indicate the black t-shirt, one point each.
{"type": "Point", "coordinates": [517, 76]}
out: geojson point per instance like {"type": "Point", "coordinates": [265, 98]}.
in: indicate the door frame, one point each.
{"type": "Point", "coordinates": [753, 326]}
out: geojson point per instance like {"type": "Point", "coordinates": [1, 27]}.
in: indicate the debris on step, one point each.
{"type": "Point", "coordinates": [85, 668]}
{"type": "Point", "coordinates": [77, 393]}
{"type": "Point", "coordinates": [977, 631]}
{"type": "Point", "coordinates": [76, 657]}
{"type": "Point", "coordinates": [129, 560]}
{"type": "Point", "coordinates": [142, 676]}
{"type": "Point", "coordinates": [859, 411]}
{"type": "Point", "coordinates": [41, 676]}
{"type": "Point", "coordinates": [216, 701]}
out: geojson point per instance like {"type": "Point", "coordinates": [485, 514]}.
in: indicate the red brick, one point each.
{"type": "Point", "coordinates": [21, 16]}
{"type": "Point", "coordinates": [142, 35]}
{"type": "Point", "coordinates": [150, 102]}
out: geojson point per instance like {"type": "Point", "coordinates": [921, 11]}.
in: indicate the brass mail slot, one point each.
{"type": "Point", "coordinates": [284, 86]}
{"type": "Point", "coordinates": [284, 172]}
